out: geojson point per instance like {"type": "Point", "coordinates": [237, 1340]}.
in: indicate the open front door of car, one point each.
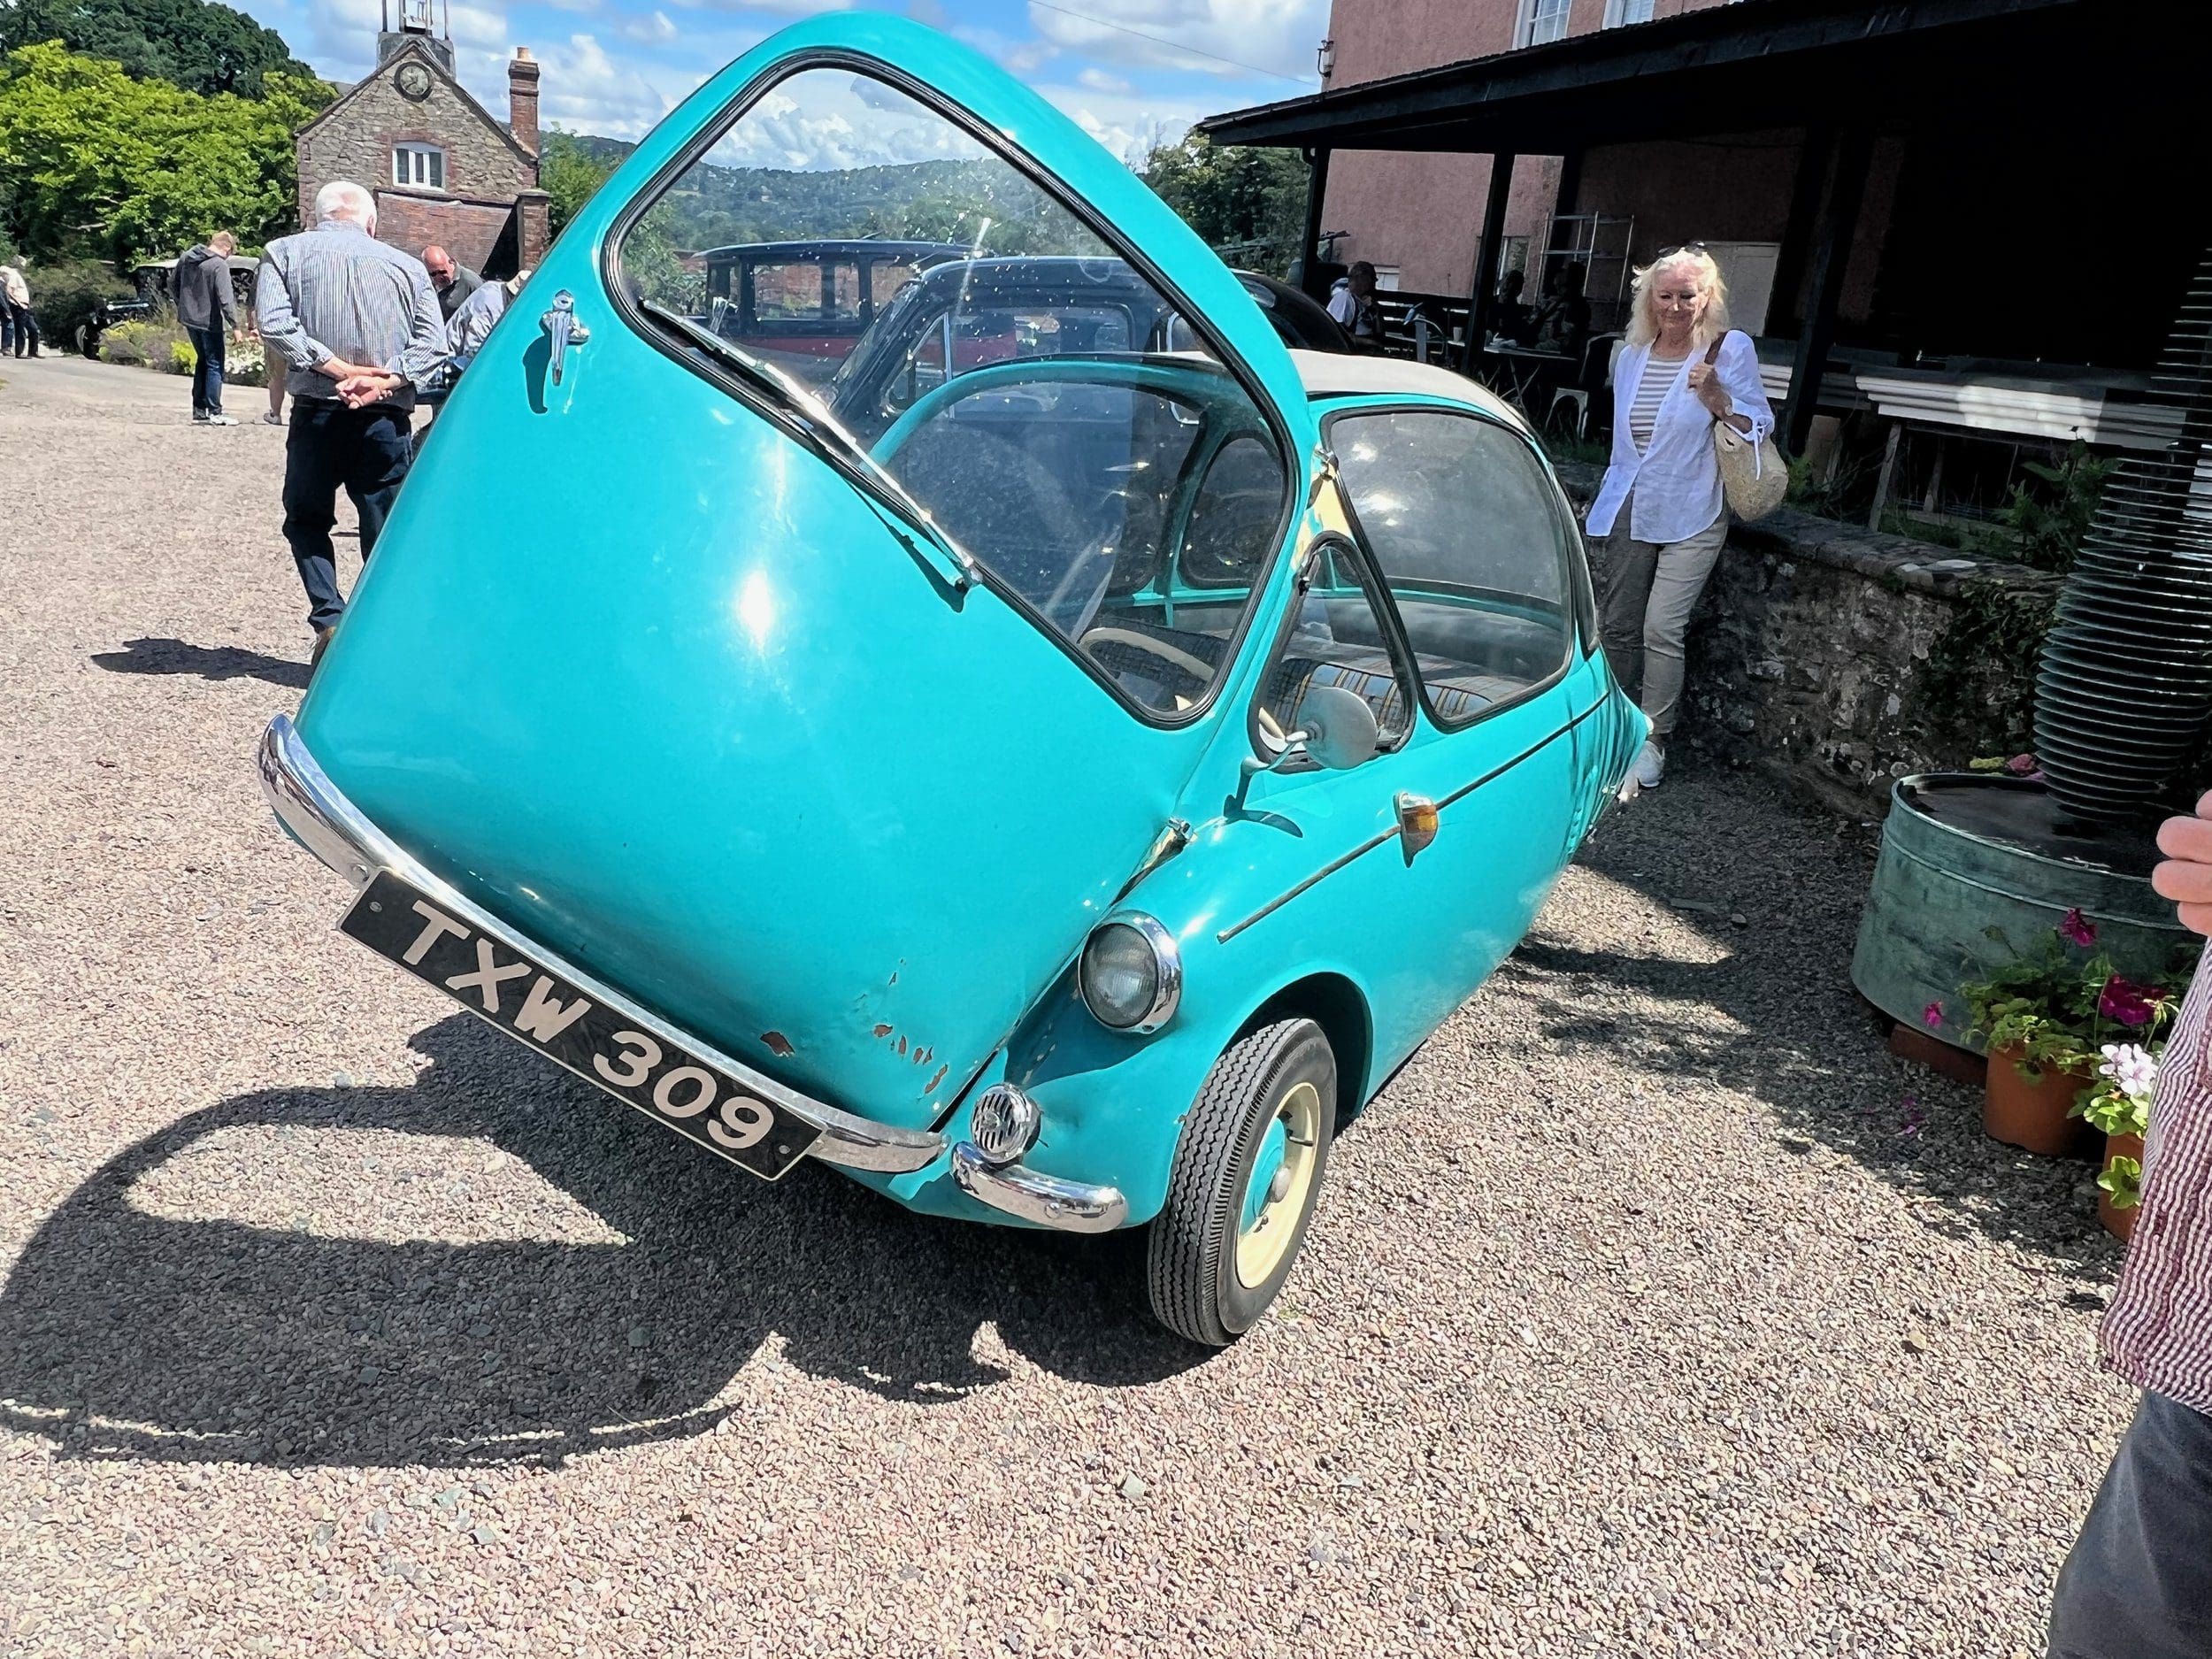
{"type": "Point", "coordinates": [827, 747]}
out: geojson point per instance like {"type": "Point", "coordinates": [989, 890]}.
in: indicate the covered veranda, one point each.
{"type": "Point", "coordinates": [1981, 213]}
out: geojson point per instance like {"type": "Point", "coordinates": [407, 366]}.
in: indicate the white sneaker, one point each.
{"type": "Point", "coordinates": [1651, 765]}
{"type": "Point", "coordinates": [222, 420]}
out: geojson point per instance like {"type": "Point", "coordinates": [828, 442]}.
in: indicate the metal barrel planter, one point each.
{"type": "Point", "coordinates": [2124, 686]}
{"type": "Point", "coordinates": [1975, 868]}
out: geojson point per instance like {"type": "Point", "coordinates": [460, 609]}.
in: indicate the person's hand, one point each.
{"type": "Point", "coordinates": [2186, 875]}
{"type": "Point", "coordinates": [340, 370]}
{"type": "Point", "coordinates": [1705, 384]}
{"type": "Point", "coordinates": [371, 386]}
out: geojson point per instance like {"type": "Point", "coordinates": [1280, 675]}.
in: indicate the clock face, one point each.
{"type": "Point", "coordinates": [414, 81]}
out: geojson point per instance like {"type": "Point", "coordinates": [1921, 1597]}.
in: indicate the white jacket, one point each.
{"type": "Point", "coordinates": [1677, 480]}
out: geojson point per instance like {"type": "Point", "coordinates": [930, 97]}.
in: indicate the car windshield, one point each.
{"type": "Point", "coordinates": [1024, 392]}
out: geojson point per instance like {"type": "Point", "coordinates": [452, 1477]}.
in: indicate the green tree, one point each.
{"type": "Point", "coordinates": [95, 161]}
{"type": "Point", "coordinates": [196, 44]}
{"type": "Point", "coordinates": [1248, 201]}
{"type": "Point", "coordinates": [569, 173]}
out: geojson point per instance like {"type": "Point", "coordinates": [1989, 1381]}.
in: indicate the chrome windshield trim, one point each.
{"type": "Point", "coordinates": [330, 826]}
{"type": "Point", "coordinates": [1046, 1201]}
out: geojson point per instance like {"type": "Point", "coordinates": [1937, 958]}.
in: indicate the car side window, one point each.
{"type": "Point", "coordinates": [1337, 638]}
{"type": "Point", "coordinates": [1474, 550]}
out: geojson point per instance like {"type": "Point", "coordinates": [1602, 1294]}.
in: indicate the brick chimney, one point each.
{"type": "Point", "coordinates": [522, 99]}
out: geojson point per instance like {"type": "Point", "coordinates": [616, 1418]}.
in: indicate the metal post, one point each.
{"type": "Point", "coordinates": [1317, 187]}
{"type": "Point", "coordinates": [1854, 154]}
{"type": "Point", "coordinates": [1483, 290]}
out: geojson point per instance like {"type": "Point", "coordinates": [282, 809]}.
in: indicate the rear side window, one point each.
{"type": "Point", "coordinates": [1018, 391]}
{"type": "Point", "coordinates": [1474, 547]}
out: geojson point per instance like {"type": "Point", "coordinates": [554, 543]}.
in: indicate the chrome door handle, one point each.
{"type": "Point", "coordinates": [562, 330]}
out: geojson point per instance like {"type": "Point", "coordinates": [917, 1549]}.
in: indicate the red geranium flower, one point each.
{"type": "Point", "coordinates": [2125, 1002]}
{"type": "Point", "coordinates": [2078, 929]}
{"type": "Point", "coordinates": [1932, 1016]}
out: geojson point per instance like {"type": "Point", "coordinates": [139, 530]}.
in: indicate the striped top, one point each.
{"type": "Point", "coordinates": [1651, 391]}
{"type": "Point", "coordinates": [336, 291]}
{"type": "Point", "coordinates": [2158, 1331]}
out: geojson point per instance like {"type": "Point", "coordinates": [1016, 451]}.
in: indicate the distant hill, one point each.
{"type": "Point", "coordinates": [936, 200]}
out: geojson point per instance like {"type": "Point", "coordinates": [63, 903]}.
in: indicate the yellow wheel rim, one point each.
{"type": "Point", "coordinates": [1281, 1181]}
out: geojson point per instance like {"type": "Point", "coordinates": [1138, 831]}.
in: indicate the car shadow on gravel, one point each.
{"type": "Point", "coordinates": [208, 661]}
{"type": "Point", "coordinates": [128, 1334]}
{"type": "Point", "coordinates": [1774, 895]}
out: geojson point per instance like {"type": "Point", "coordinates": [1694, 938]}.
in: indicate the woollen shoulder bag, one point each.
{"type": "Point", "coordinates": [1752, 475]}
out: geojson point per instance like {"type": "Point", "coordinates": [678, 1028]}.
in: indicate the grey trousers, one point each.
{"type": "Point", "coordinates": [2139, 1583]}
{"type": "Point", "coordinates": [1646, 593]}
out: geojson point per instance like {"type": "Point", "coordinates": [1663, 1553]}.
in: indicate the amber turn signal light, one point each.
{"type": "Point", "coordinates": [1417, 821]}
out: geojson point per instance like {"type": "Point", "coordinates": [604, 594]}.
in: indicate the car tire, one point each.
{"type": "Point", "coordinates": [1247, 1171]}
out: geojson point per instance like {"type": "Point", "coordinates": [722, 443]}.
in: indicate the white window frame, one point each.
{"type": "Point", "coordinates": [419, 165]}
{"type": "Point", "coordinates": [1619, 13]}
{"type": "Point", "coordinates": [1543, 21]}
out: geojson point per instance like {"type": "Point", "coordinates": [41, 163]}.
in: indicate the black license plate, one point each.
{"type": "Point", "coordinates": [538, 1008]}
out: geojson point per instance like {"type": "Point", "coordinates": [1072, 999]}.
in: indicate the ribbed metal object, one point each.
{"type": "Point", "coordinates": [2126, 686]}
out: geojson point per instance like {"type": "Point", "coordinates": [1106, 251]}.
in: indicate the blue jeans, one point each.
{"type": "Point", "coordinates": [207, 370]}
{"type": "Point", "coordinates": [329, 447]}
{"type": "Point", "coordinates": [2139, 1583]}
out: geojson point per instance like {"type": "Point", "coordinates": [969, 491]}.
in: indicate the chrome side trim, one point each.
{"type": "Point", "coordinates": [308, 805]}
{"type": "Point", "coordinates": [1045, 1200]}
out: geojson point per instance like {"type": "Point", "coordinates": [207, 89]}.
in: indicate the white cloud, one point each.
{"type": "Point", "coordinates": [574, 5]}
{"type": "Point", "coordinates": [1099, 81]}
{"type": "Point", "coordinates": [586, 90]}
{"type": "Point", "coordinates": [1129, 123]}
{"type": "Point", "coordinates": [1276, 35]}
{"type": "Point", "coordinates": [654, 30]}
{"type": "Point", "coordinates": [785, 8]}
{"type": "Point", "coordinates": [1018, 58]}
{"type": "Point", "coordinates": [829, 119]}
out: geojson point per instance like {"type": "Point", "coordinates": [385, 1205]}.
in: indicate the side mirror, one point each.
{"type": "Point", "coordinates": [1337, 728]}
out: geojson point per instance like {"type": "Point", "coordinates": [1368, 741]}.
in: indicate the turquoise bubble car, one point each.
{"type": "Point", "coordinates": [1064, 806]}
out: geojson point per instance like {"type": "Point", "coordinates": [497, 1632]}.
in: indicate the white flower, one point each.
{"type": "Point", "coordinates": [2134, 1069]}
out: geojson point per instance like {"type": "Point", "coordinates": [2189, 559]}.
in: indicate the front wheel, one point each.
{"type": "Point", "coordinates": [1247, 1172]}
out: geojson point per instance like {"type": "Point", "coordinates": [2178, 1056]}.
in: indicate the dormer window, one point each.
{"type": "Point", "coordinates": [419, 165]}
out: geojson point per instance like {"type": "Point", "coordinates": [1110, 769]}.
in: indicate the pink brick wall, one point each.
{"type": "Point", "coordinates": [1422, 213]}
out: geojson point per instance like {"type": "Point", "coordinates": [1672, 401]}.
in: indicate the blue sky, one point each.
{"type": "Point", "coordinates": [1131, 71]}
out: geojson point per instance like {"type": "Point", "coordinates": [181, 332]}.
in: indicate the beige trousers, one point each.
{"type": "Point", "coordinates": [1646, 593]}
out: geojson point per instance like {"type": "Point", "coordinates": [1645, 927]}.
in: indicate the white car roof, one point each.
{"type": "Point", "coordinates": [1336, 374]}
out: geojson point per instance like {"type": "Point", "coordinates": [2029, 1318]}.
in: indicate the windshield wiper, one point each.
{"type": "Point", "coordinates": [802, 411]}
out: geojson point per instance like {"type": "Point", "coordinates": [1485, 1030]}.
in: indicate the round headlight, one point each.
{"type": "Point", "coordinates": [1131, 974]}
{"type": "Point", "coordinates": [1003, 1123]}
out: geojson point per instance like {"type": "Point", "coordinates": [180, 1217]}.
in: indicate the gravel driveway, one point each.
{"type": "Point", "coordinates": [1652, 1309]}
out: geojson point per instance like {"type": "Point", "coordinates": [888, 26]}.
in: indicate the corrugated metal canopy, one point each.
{"type": "Point", "coordinates": [1756, 64]}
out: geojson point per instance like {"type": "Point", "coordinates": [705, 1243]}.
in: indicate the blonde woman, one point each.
{"type": "Point", "coordinates": [1659, 518]}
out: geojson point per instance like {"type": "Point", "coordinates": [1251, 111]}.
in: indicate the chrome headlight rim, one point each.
{"type": "Point", "coordinates": [1167, 958]}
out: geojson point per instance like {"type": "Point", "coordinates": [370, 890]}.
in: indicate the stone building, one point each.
{"type": "Point", "coordinates": [442, 167]}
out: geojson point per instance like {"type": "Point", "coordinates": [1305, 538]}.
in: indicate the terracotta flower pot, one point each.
{"type": "Point", "coordinates": [2032, 1113]}
{"type": "Point", "coordinates": [2119, 1223]}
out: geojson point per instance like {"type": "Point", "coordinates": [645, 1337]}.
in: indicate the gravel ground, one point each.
{"type": "Point", "coordinates": [1652, 1309]}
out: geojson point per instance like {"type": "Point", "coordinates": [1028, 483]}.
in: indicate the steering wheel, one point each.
{"type": "Point", "coordinates": [1172, 655]}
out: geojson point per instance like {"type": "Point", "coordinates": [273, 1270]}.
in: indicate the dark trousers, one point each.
{"type": "Point", "coordinates": [25, 328]}
{"type": "Point", "coordinates": [329, 447]}
{"type": "Point", "coordinates": [2139, 1583]}
{"type": "Point", "coordinates": [207, 370]}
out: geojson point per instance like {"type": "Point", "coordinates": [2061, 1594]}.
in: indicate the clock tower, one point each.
{"type": "Point", "coordinates": [442, 168]}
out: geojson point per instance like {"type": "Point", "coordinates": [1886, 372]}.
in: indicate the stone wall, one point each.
{"type": "Point", "coordinates": [485, 166]}
{"type": "Point", "coordinates": [1841, 660]}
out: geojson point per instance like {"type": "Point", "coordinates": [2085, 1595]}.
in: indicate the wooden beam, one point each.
{"type": "Point", "coordinates": [1801, 226]}
{"type": "Point", "coordinates": [1316, 189]}
{"type": "Point", "coordinates": [1483, 288]}
{"type": "Point", "coordinates": [1854, 154]}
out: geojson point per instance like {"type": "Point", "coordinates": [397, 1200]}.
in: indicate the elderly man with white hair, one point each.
{"type": "Point", "coordinates": [359, 327]}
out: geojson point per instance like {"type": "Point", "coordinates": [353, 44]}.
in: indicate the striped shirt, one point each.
{"type": "Point", "coordinates": [1660, 374]}
{"type": "Point", "coordinates": [2158, 1331]}
{"type": "Point", "coordinates": [335, 291]}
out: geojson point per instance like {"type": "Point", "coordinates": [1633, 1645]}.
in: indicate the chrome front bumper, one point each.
{"type": "Point", "coordinates": [1044, 1201]}
{"type": "Point", "coordinates": [331, 827]}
